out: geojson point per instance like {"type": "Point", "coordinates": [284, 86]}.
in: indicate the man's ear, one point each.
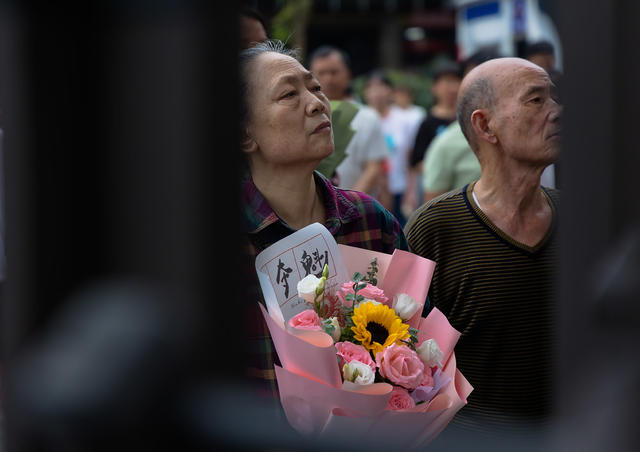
{"type": "Point", "coordinates": [480, 123]}
{"type": "Point", "coordinates": [248, 144]}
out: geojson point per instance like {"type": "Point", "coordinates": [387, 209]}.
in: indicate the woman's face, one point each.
{"type": "Point", "coordinates": [289, 117]}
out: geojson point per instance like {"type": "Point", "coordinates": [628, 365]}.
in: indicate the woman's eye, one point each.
{"type": "Point", "coordinates": [317, 88]}
{"type": "Point", "coordinates": [289, 95]}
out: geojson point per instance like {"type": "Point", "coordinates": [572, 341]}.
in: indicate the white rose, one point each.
{"type": "Point", "coordinates": [430, 353]}
{"type": "Point", "coordinates": [307, 287]}
{"type": "Point", "coordinates": [337, 331]}
{"type": "Point", "coordinates": [368, 300]}
{"type": "Point", "coordinates": [358, 373]}
{"type": "Point", "coordinates": [405, 306]}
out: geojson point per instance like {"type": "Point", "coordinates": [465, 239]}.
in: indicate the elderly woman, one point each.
{"type": "Point", "coordinates": [286, 132]}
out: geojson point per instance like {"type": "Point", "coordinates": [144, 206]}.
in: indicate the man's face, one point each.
{"type": "Point", "coordinates": [378, 94]}
{"type": "Point", "coordinates": [445, 90]}
{"type": "Point", "coordinates": [526, 118]}
{"type": "Point", "coordinates": [333, 74]}
{"type": "Point", "coordinates": [402, 97]}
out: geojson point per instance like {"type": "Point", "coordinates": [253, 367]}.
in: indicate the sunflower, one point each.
{"type": "Point", "coordinates": [377, 327]}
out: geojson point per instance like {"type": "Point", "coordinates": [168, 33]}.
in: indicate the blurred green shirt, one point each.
{"type": "Point", "coordinates": [449, 162]}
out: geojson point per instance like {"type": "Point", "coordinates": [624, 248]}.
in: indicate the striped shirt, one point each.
{"type": "Point", "coordinates": [499, 294]}
{"type": "Point", "coordinates": [353, 218]}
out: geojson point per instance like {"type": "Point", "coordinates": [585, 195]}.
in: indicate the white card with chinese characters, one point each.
{"type": "Point", "coordinates": [287, 261]}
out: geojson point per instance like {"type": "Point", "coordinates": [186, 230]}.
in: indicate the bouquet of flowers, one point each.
{"type": "Point", "coordinates": [361, 358]}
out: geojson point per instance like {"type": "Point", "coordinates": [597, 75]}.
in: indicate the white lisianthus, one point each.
{"type": "Point", "coordinates": [358, 373]}
{"type": "Point", "coordinates": [430, 353]}
{"type": "Point", "coordinates": [332, 328]}
{"type": "Point", "coordinates": [405, 306]}
{"type": "Point", "coordinates": [307, 287]}
{"type": "Point", "coordinates": [368, 300]}
{"type": "Point", "coordinates": [337, 330]}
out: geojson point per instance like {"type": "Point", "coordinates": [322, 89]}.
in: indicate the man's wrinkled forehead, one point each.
{"type": "Point", "coordinates": [513, 81]}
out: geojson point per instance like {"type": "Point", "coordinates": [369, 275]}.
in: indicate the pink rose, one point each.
{"type": "Point", "coordinates": [306, 320]}
{"type": "Point", "coordinates": [428, 378]}
{"type": "Point", "coordinates": [348, 351]}
{"type": "Point", "coordinates": [400, 399]}
{"type": "Point", "coordinates": [401, 365]}
{"type": "Point", "coordinates": [370, 291]}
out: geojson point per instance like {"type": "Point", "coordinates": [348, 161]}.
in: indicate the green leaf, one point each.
{"type": "Point", "coordinates": [357, 277]}
{"type": "Point", "coordinates": [342, 113]}
{"type": "Point", "coordinates": [362, 285]}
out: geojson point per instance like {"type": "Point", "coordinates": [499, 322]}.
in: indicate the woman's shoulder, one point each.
{"type": "Point", "coordinates": [364, 202]}
{"type": "Point", "coordinates": [377, 219]}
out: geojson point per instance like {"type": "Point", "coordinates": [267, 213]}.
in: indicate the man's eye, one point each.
{"type": "Point", "coordinates": [536, 100]}
{"type": "Point", "coordinates": [289, 95]}
{"type": "Point", "coordinates": [317, 88]}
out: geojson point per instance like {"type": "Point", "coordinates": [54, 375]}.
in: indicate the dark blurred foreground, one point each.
{"type": "Point", "coordinates": [121, 314]}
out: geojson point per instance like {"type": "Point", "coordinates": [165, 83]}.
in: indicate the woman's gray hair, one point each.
{"type": "Point", "coordinates": [247, 57]}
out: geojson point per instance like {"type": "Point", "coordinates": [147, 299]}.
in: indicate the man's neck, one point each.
{"type": "Point", "coordinates": [292, 195]}
{"type": "Point", "coordinates": [511, 197]}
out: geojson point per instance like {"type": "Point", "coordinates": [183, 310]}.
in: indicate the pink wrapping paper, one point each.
{"type": "Point", "coordinates": [315, 361]}
{"type": "Point", "coordinates": [308, 404]}
{"type": "Point", "coordinates": [436, 326]}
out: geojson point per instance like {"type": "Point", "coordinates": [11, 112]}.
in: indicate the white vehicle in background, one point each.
{"type": "Point", "coordinates": [503, 25]}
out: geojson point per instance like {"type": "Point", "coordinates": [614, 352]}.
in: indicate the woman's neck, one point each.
{"type": "Point", "coordinates": [292, 195]}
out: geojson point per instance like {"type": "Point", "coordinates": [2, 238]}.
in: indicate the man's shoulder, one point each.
{"type": "Point", "coordinates": [437, 209]}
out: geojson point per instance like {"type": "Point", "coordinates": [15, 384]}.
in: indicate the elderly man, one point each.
{"type": "Point", "coordinates": [494, 242]}
{"type": "Point", "coordinates": [361, 170]}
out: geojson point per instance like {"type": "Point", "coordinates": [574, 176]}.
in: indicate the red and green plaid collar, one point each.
{"type": "Point", "coordinates": [259, 214]}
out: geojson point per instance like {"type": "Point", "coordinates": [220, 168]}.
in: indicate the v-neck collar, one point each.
{"type": "Point", "coordinates": [484, 219]}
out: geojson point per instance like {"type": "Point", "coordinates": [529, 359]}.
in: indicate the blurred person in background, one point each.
{"type": "Point", "coordinates": [543, 54]}
{"type": "Point", "coordinates": [399, 132]}
{"type": "Point", "coordinates": [253, 27]}
{"type": "Point", "coordinates": [495, 243]}
{"type": "Point", "coordinates": [361, 169]}
{"type": "Point", "coordinates": [448, 161]}
{"type": "Point", "coordinates": [403, 98]}
{"type": "Point", "coordinates": [287, 131]}
{"type": "Point", "coordinates": [444, 87]}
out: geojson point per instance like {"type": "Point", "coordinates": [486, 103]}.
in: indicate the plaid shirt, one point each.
{"type": "Point", "coordinates": [353, 218]}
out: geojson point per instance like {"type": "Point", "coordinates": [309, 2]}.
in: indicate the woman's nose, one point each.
{"type": "Point", "coordinates": [315, 105]}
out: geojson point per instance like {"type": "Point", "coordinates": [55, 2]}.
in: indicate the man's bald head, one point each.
{"type": "Point", "coordinates": [481, 89]}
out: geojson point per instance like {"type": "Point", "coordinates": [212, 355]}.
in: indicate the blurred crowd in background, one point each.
{"type": "Point", "coordinates": [402, 65]}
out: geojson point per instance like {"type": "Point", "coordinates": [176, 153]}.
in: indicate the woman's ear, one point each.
{"type": "Point", "coordinates": [480, 122]}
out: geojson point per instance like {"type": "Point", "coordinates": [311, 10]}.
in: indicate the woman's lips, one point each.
{"type": "Point", "coordinates": [324, 127]}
